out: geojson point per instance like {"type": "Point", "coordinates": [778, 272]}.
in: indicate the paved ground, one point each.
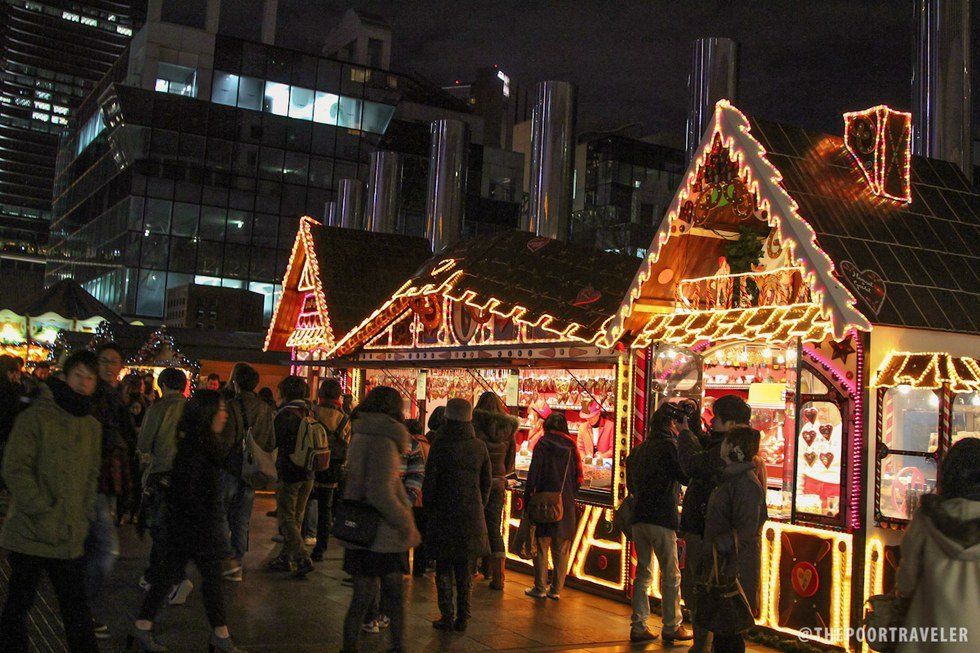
{"type": "Point", "coordinates": [272, 612]}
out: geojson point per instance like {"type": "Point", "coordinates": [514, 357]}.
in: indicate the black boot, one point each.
{"type": "Point", "coordinates": [444, 597]}
{"type": "Point", "coordinates": [464, 585]}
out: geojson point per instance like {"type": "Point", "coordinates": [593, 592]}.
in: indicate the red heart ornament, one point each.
{"type": "Point", "coordinates": [867, 284]}
{"type": "Point", "coordinates": [586, 296]}
{"type": "Point", "coordinates": [536, 244]}
{"type": "Point", "coordinates": [826, 458]}
{"type": "Point", "coordinates": [810, 414]}
{"type": "Point", "coordinates": [809, 435]}
{"type": "Point", "coordinates": [826, 430]}
{"type": "Point", "coordinates": [809, 457]}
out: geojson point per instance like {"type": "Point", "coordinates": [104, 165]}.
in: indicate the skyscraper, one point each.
{"type": "Point", "coordinates": [52, 52]}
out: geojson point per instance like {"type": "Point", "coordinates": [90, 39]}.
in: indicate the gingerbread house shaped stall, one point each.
{"type": "Point", "coordinates": [519, 315]}
{"type": "Point", "coordinates": [790, 266]}
{"type": "Point", "coordinates": [335, 277]}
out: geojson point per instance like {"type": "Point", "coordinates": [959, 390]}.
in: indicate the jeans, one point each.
{"type": "Point", "coordinates": [651, 540]}
{"type": "Point", "coordinates": [290, 509]}
{"type": "Point", "coordinates": [311, 516]}
{"type": "Point", "coordinates": [493, 514]}
{"type": "Point", "coordinates": [392, 606]}
{"type": "Point", "coordinates": [559, 556]}
{"type": "Point", "coordinates": [237, 497]}
{"type": "Point", "coordinates": [324, 516]}
{"type": "Point", "coordinates": [169, 571]}
{"type": "Point", "coordinates": [101, 548]}
{"type": "Point", "coordinates": [67, 578]}
{"type": "Point", "coordinates": [450, 573]}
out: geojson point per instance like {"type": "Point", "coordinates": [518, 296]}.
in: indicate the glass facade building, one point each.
{"type": "Point", "coordinates": [52, 54]}
{"type": "Point", "coordinates": [628, 184]}
{"type": "Point", "coordinates": [158, 188]}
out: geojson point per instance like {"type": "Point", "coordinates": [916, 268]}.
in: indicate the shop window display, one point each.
{"type": "Point", "coordinates": [966, 417]}
{"type": "Point", "coordinates": [819, 457]}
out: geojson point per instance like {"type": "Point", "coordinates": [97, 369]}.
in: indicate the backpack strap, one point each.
{"type": "Point", "coordinates": [340, 427]}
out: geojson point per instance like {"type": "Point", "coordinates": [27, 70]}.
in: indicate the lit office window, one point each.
{"type": "Point", "coordinates": [349, 114]}
{"type": "Point", "coordinates": [60, 110]}
{"type": "Point", "coordinates": [250, 92]}
{"type": "Point", "coordinates": [89, 21]}
{"type": "Point", "coordinates": [224, 89]}
{"type": "Point", "coordinates": [276, 100]}
{"type": "Point", "coordinates": [178, 80]}
{"type": "Point", "coordinates": [301, 103]}
{"type": "Point", "coordinates": [327, 107]}
{"type": "Point", "coordinates": [92, 128]}
{"type": "Point", "coordinates": [67, 15]}
{"type": "Point", "coordinates": [37, 115]}
{"type": "Point", "coordinates": [125, 31]}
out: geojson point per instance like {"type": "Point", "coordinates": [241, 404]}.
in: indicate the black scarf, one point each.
{"type": "Point", "coordinates": [69, 400]}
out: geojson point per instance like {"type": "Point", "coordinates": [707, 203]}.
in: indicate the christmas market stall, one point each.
{"type": "Point", "coordinates": [790, 266]}
{"type": "Point", "coordinates": [29, 326]}
{"type": "Point", "coordinates": [334, 279]}
{"type": "Point", "coordinates": [519, 315]}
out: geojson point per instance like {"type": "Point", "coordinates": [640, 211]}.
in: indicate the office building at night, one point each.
{"type": "Point", "coordinates": [52, 54]}
{"type": "Point", "coordinates": [195, 156]}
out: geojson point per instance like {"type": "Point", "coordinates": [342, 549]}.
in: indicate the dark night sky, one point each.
{"type": "Point", "coordinates": [803, 62]}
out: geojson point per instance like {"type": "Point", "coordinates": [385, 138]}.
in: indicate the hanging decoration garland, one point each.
{"type": "Point", "coordinates": [160, 342]}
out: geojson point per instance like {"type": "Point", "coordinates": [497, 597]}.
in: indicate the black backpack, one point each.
{"type": "Point", "coordinates": [334, 473]}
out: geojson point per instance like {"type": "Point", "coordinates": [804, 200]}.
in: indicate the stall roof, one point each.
{"type": "Point", "coordinates": [351, 272]}
{"type": "Point", "coordinates": [198, 344]}
{"type": "Point", "coordinates": [928, 370]}
{"type": "Point", "coordinates": [72, 302]}
{"type": "Point", "coordinates": [869, 259]}
{"type": "Point", "coordinates": [569, 290]}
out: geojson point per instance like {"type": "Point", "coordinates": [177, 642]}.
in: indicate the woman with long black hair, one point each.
{"type": "Point", "coordinates": [193, 522]}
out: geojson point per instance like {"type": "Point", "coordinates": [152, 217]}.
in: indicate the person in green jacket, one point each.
{"type": "Point", "coordinates": [51, 467]}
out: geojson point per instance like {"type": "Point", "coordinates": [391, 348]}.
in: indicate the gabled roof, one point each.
{"type": "Point", "coordinates": [72, 302]}
{"type": "Point", "coordinates": [352, 272]}
{"type": "Point", "coordinates": [930, 370]}
{"type": "Point", "coordinates": [924, 254]}
{"type": "Point", "coordinates": [564, 289]}
{"type": "Point", "coordinates": [865, 259]}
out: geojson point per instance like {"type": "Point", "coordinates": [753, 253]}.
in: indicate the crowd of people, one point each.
{"type": "Point", "coordinates": [85, 451]}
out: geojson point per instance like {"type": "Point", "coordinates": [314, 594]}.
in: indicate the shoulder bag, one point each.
{"type": "Point", "coordinates": [355, 522]}
{"type": "Point", "coordinates": [258, 465]}
{"type": "Point", "coordinates": [547, 507]}
{"type": "Point", "coordinates": [722, 607]}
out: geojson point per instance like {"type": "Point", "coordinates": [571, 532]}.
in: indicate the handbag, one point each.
{"type": "Point", "coordinates": [623, 517]}
{"type": "Point", "coordinates": [524, 545]}
{"type": "Point", "coordinates": [884, 611]}
{"type": "Point", "coordinates": [355, 522]}
{"type": "Point", "coordinates": [722, 607]}
{"type": "Point", "coordinates": [547, 507]}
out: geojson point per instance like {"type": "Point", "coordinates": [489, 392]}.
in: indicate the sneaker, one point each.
{"type": "Point", "coordinates": [641, 635]}
{"type": "Point", "coordinates": [230, 568]}
{"type": "Point", "coordinates": [101, 630]}
{"type": "Point", "coordinates": [303, 567]}
{"type": "Point", "coordinates": [553, 595]}
{"type": "Point", "coordinates": [279, 563]}
{"type": "Point", "coordinates": [144, 584]}
{"type": "Point", "coordinates": [383, 622]}
{"type": "Point", "coordinates": [235, 575]}
{"type": "Point", "coordinates": [371, 627]}
{"type": "Point", "coordinates": [682, 634]}
{"type": "Point", "coordinates": [180, 592]}
{"type": "Point", "coordinates": [309, 540]}
{"type": "Point", "coordinates": [535, 592]}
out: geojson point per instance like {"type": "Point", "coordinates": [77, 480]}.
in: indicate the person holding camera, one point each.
{"type": "Point", "coordinates": [653, 478]}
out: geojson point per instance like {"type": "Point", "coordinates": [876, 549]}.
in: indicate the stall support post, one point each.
{"type": "Point", "coordinates": [859, 542]}
{"type": "Point", "coordinates": [357, 377]}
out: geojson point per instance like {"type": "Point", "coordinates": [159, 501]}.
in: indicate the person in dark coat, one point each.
{"type": "Point", "coordinates": [193, 514]}
{"type": "Point", "coordinates": [496, 428]}
{"type": "Point", "coordinates": [436, 420]}
{"type": "Point", "coordinates": [555, 467]}
{"type": "Point", "coordinates": [733, 523]}
{"type": "Point", "coordinates": [653, 478]}
{"type": "Point", "coordinates": [700, 458]}
{"type": "Point", "coordinates": [454, 492]}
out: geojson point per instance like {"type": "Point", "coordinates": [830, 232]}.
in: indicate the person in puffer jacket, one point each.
{"type": "Point", "coordinates": [496, 428]}
{"type": "Point", "coordinates": [940, 564]}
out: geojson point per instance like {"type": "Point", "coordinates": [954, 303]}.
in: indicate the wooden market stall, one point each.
{"type": "Point", "coordinates": [790, 265]}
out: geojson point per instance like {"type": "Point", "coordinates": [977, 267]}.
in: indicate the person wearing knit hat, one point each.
{"type": "Point", "coordinates": [455, 490]}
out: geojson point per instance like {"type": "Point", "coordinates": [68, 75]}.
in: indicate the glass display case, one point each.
{"type": "Point", "coordinates": [965, 421]}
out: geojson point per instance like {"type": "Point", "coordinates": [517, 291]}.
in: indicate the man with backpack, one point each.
{"type": "Point", "coordinates": [249, 420]}
{"type": "Point", "coordinates": [331, 414]}
{"type": "Point", "coordinates": [303, 450]}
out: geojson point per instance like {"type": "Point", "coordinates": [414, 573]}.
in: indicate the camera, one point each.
{"type": "Point", "coordinates": [683, 409]}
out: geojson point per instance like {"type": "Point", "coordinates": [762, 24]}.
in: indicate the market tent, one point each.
{"type": "Point", "coordinates": [70, 301]}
